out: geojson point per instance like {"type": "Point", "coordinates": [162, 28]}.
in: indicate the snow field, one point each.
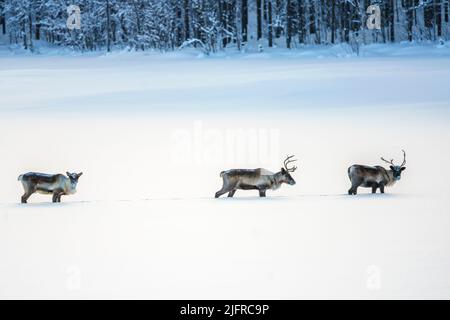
{"type": "Point", "coordinates": [152, 134]}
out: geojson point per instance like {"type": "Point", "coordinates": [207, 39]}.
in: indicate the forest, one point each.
{"type": "Point", "coordinates": [214, 25]}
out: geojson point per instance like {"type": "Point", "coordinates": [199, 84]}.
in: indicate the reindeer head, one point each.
{"type": "Point", "coordinates": [397, 170]}
{"type": "Point", "coordinates": [73, 177]}
{"type": "Point", "coordinates": [285, 171]}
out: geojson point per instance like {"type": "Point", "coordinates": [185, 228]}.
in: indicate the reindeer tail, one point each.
{"type": "Point", "coordinates": [222, 173]}
{"type": "Point", "coordinates": [20, 177]}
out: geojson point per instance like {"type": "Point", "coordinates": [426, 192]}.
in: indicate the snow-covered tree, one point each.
{"type": "Point", "coordinates": [216, 24]}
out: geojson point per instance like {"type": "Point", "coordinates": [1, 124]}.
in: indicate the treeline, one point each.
{"type": "Point", "coordinates": [216, 24]}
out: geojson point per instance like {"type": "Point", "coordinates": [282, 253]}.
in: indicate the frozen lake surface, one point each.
{"type": "Point", "coordinates": [152, 133]}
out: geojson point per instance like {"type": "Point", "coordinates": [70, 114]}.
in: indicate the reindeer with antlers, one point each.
{"type": "Point", "coordinates": [375, 177]}
{"type": "Point", "coordinates": [257, 179]}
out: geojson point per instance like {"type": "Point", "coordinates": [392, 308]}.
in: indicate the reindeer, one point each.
{"type": "Point", "coordinates": [257, 179]}
{"type": "Point", "coordinates": [56, 184]}
{"type": "Point", "coordinates": [375, 177]}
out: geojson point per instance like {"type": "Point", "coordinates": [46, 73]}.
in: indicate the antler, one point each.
{"type": "Point", "coordinates": [287, 161]}
{"type": "Point", "coordinates": [392, 160]}
{"type": "Point", "coordinates": [404, 158]}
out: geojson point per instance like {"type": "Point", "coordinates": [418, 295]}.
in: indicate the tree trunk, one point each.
{"type": "Point", "coordinates": [252, 27]}
{"type": "Point", "coordinates": [3, 23]}
{"type": "Point", "coordinates": [392, 21]}
{"type": "Point", "coordinates": [108, 26]}
{"type": "Point", "coordinates": [444, 4]}
{"type": "Point", "coordinates": [37, 24]}
{"type": "Point", "coordinates": [410, 19]}
{"type": "Point", "coordinates": [30, 29]}
{"type": "Point", "coordinates": [289, 22]}
{"type": "Point", "coordinates": [438, 17]}
{"type": "Point", "coordinates": [269, 23]}
{"type": "Point", "coordinates": [447, 13]}
{"type": "Point", "coordinates": [312, 19]}
{"type": "Point", "coordinates": [238, 24]}
{"type": "Point", "coordinates": [333, 22]}
{"type": "Point", "coordinates": [301, 21]}
{"type": "Point", "coordinates": [187, 29]}
{"type": "Point", "coordinates": [259, 18]}
{"type": "Point", "coordinates": [24, 30]}
{"type": "Point", "coordinates": [244, 20]}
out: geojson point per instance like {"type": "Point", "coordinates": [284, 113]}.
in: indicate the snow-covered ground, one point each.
{"type": "Point", "coordinates": [152, 133]}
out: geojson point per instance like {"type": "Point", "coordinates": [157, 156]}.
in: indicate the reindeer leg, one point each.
{"type": "Point", "coordinates": [227, 187]}
{"type": "Point", "coordinates": [231, 193]}
{"type": "Point", "coordinates": [220, 193]}
{"type": "Point", "coordinates": [25, 197]}
{"type": "Point", "coordinates": [262, 193]}
{"type": "Point", "coordinates": [374, 188]}
{"type": "Point", "coordinates": [27, 194]}
{"type": "Point", "coordinates": [353, 190]}
{"type": "Point", "coordinates": [382, 188]}
{"type": "Point", "coordinates": [57, 195]}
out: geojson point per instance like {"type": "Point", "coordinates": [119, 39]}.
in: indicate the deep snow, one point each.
{"type": "Point", "coordinates": [152, 133]}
